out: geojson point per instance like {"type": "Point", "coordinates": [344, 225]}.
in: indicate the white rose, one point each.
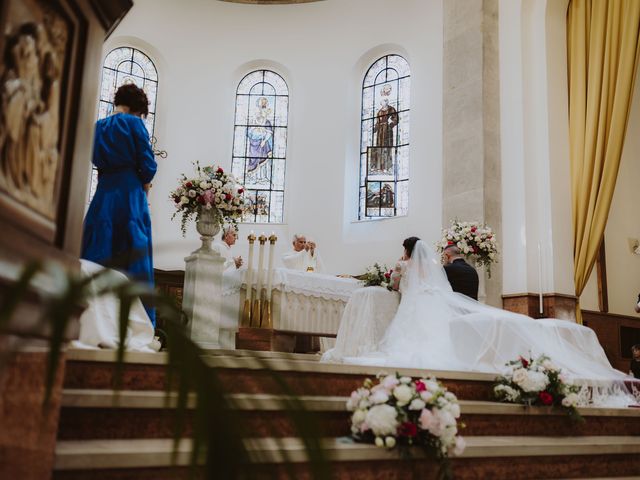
{"type": "Point", "coordinates": [379, 396]}
{"type": "Point", "coordinates": [417, 404]}
{"type": "Point", "coordinates": [389, 382]}
{"type": "Point", "coordinates": [519, 375]}
{"type": "Point", "coordinates": [454, 409]}
{"type": "Point", "coordinates": [403, 394]}
{"type": "Point", "coordinates": [192, 193]}
{"type": "Point", "coordinates": [570, 400]}
{"type": "Point", "coordinates": [382, 419]}
{"type": "Point", "coordinates": [445, 418]}
{"type": "Point", "coordinates": [184, 200]}
{"type": "Point", "coordinates": [390, 442]}
{"type": "Point", "coordinates": [431, 385]}
{"type": "Point", "coordinates": [358, 417]}
{"type": "Point", "coordinates": [534, 382]}
{"type": "Point", "coordinates": [549, 365]}
{"type": "Point", "coordinates": [203, 185]}
{"type": "Point", "coordinates": [379, 442]}
{"type": "Point", "coordinates": [405, 380]}
{"type": "Point", "coordinates": [426, 395]}
{"type": "Point", "coordinates": [459, 447]}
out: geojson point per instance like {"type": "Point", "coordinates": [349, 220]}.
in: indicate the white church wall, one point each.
{"type": "Point", "coordinates": [202, 49]}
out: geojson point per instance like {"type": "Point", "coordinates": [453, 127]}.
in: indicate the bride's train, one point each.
{"type": "Point", "coordinates": [437, 329]}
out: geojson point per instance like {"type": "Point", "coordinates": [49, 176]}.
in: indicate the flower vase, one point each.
{"type": "Point", "coordinates": [208, 226]}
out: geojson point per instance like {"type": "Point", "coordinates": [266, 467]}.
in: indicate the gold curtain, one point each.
{"type": "Point", "coordinates": [603, 42]}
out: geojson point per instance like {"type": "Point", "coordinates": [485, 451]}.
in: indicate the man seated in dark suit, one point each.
{"type": "Point", "coordinates": [462, 276]}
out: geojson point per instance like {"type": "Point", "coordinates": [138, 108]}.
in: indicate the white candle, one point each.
{"type": "Point", "coordinates": [262, 239]}
{"type": "Point", "coordinates": [272, 241]}
{"type": "Point", "coordinates": [541, 304]}
{"type": "Point", "coordinates": [249, 293]}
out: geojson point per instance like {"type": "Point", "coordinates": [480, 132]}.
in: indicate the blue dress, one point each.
{"type": "Point", "coordinates": [117, 228]}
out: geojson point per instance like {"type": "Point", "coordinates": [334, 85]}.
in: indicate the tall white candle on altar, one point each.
{"type": "Point", "coordinates": [252, 239]}
{"type": "Point", "coordinates": [541, 304]}
{"type": "Point", "coordinates": [272, 245]}
{"type": "Point", "coordinates": [262, 239]}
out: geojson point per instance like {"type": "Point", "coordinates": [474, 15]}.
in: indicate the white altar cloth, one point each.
{"type": "Point", "coordinates": [303, 302]}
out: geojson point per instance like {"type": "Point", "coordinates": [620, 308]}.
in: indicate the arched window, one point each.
{"type": "Point", "coordinates": [126, 65]}
{"type": "Point", "coordinates": [260, 143]}
{"type": "Point", "coordinates": [384, 139]}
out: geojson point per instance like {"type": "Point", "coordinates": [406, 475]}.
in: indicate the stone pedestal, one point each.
{"type": "Point", "coordinates": [202, 302]}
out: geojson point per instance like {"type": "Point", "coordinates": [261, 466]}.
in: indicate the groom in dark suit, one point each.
{"type": "Point", "coordinates": [462, 276]}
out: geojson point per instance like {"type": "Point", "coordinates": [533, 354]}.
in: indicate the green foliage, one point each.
{"type": "Point", "coordinates": [218, 439]}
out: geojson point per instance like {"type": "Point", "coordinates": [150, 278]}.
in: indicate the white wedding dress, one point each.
{"type": "Point", "coordinates": [436, 328]}
{"type": "Point", "coordinates": [99, 323]}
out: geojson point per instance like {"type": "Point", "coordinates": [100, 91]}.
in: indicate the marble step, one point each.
{"type": "Point", "coordinates": [495, 457]}
{"type": "Point", "coordinates": [247, 373]}
{"type": "Point", "coordinates": [93, 414]}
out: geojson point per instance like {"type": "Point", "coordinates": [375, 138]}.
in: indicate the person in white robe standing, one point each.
{"type": "Point", "coordinates": [304, 256]}
{"type": "Point", "coordinates": [223, 247]}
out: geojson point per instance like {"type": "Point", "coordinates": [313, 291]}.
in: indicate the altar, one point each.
{"type": "Point", "coordinates": [301, 302]}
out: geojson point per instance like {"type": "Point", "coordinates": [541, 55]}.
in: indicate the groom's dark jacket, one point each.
{"type": "Point", "coordinates": [463, 278]}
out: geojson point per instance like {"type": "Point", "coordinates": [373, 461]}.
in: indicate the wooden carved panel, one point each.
{"type": "Point", "coordinates": [41, 42]}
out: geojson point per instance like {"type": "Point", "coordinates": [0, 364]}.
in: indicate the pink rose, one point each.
{"type": "Point", "coordinates": [390, 382]}
{"type": "Point", "coordinates": [207, 196]}
{"type": "Point", "coordinates": [427, 419]}
{"type": "Point", "coordinates": [420, 386]}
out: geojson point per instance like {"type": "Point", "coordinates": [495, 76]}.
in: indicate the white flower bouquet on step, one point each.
{"type": "Point", "coordinates": [537, 381]}
{"type": "Point", "coordinates": [399, 412]}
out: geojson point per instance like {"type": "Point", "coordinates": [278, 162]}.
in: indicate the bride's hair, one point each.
{"type": "Point", "coordinates": [409, 243]}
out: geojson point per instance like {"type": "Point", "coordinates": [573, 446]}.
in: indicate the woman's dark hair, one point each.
{"type": "Point", "coordinates": [129, 95]}
{"type": "Point", "coordinates": [409, 243]}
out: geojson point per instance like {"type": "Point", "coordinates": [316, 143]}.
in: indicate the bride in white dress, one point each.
{"type": "Point", "coordinates": [436, 328]}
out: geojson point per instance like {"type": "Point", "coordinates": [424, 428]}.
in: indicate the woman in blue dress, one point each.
{"type": "Point", "coordinates": [117, 228]}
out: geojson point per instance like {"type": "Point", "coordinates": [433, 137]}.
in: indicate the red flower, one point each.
{"type": "Point", "coordinates": [220, 170]}
{"type": "Point", "coordinates": [475, 249]}
{"type": "Point", "coordinates": [228, 197]}
{"type": "Point", "coordinates": [188, 185]}
{"type": "Point", "coordinates": [473, 229]}
{"type": "Point", "coordinates": [420, 386]}
{"type": "Point", "coordinates": [176, 199]}
{"type": "Point", "coordinates": [408, 429]}
{"type": "Point", "coordinates": [387, 275]}
{"type": "Point", "coordinates": [524, 361]}
{"type": "Point", "coordinates": [449, 242]}
{"type": "Point", "coordinates": [546, 398]}
{"type": "Point", "coordinates": [200, 200]}
{"type": "Point", "coordinates": [241, 190]}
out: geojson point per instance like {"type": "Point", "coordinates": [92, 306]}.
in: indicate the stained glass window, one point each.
{"type": "Point", "coordinates": [126, 65]}
{"type": "Point", "coordinates": [260, 143]}
{"type": "Point", "coordinates": [384, 139]}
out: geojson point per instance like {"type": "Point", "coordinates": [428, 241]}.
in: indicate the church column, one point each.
{"type": "Point", "coordinates": [537, 239]}
{"type": "Point", "coordinates": [471, 123]}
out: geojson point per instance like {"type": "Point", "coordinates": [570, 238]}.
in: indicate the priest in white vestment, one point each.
{"type": "Point", "coordinates": [304, 255]}
{"type": "Point", "coordinates": [223, 247]}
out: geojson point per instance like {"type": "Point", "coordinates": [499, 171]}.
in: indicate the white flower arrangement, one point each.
{"type": "Point", "coordinates": [537, 382]}
{"type": "Point", "coordinates": [473, 239]}
{"type": "Point", "coordinates": [210, 189]}
{"type": "Point", "coordinates": [399, 411]}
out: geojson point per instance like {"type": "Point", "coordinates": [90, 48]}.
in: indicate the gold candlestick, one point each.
{"type": "Point", "coordinates": [246, 312]}
{"type": "Point", "coordinates": [257, 303]}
